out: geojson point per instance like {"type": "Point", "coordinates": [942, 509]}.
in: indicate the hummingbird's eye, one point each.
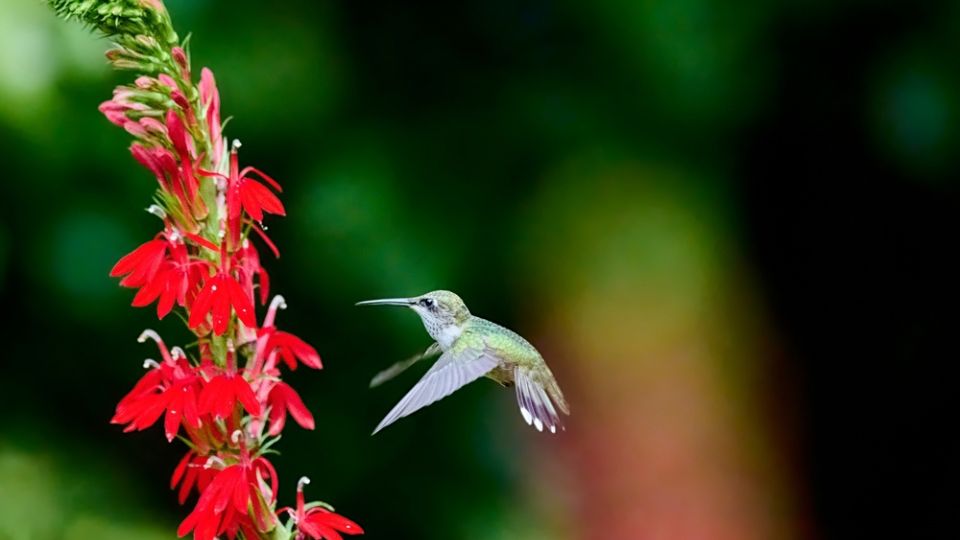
{"type": "Point", "coordinates": [427, 302]}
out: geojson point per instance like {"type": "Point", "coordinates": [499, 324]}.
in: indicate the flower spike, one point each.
{"type": "Point", "coordinates": [227, 403]}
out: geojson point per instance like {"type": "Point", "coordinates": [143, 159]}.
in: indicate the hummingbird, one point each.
{"type": "Point", "coordinates": [471, 348]}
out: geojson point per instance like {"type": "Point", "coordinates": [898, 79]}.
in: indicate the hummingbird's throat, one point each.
{"type": "Point", "coordinates": [444, 334]}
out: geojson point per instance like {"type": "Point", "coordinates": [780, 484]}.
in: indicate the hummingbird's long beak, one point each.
{"type": "Point", "coordinates": [388, 302]}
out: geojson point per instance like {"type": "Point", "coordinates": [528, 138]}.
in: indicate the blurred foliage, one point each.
{"type": "Point", "coordinates": [540, 158]}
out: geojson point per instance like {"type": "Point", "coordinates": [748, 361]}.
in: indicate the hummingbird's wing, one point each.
{"type": "Point", "coordinates": [402, 366]}
{"type": "Point", "coordinates": [535, 405]}
{"type": "Point", "coordinates": [451, 372]}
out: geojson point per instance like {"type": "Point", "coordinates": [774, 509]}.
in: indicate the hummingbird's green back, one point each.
{"type": "Point", "coordinates": [514, 352]}
{"type": "Point", "coordinates": [506, 344]}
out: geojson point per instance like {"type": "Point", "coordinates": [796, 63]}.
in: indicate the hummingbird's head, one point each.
{"type": "Point", "coordinates": [443, 313]}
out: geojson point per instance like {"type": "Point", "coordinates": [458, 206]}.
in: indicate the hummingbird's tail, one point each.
{"type": "Point", "coordinates": [537, 392]}
{"type": "Point", "coordinates": [554, 390]}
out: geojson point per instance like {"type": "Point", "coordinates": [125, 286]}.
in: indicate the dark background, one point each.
{"type": "Point", "coordinates": [785, 172]}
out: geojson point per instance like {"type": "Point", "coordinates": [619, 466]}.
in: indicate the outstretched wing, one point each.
{"type": "Point", "coordinates": [535, 404]}
{"type": "Point", "coordinates": [452, 371]}
{"type": "Point", "coordinates": [402, 366]}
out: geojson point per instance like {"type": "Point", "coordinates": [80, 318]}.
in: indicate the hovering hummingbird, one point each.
{"type": "Point", "coordinates": [470, 348]}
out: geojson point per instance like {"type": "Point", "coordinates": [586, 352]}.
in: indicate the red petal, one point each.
{"type": "Point", "coordinates": [245, 395]}
{"type": "Point", "coordinates": [221, 306]}
{"type": "Point", "coordinates": [171, 423]}
{"type": "Point", "coordinates": [242, 303]}
{"type": "Point", "coordinates": [150, 290]}
{"type": "Point", "coordinates": [188, 523]}
{"type": "Point", "coordinates": [266, 239]}
{"type": "Point", "coordinates": [269, 180]}
{"type": "Point", "coordinates": [257, 197]}
{"type": "Point", "coordinates": [197, 239]}
{"type": "Point", "coordinates": [250, 203]}
{"type": "Point", "coordinates": [278, 418]}
{"type": "Point", "coordinates": [233, 201]}
{"type": "Point", "coordinates": [178, 135]}
{"type": "Point", "coordinates": [296, 407]}
{"type": "Point", "coordinates": [187, 484]}
{"type": "Point", "coordinates": [151, 413]}
{"type": "Point", "coordinates": [146, 158]}
{"type": "Point", "coordinates": [264, 286]}
{"type": "Point", "coordinates": [140, 263]}
{"type": "Point", "coordinates": [209, 395]}
{"type": "Point", "coordinates": [167, 299]}
{"type": "Point", "coordinates": [307, 354]}
{"type": "Point", "coordinates": [190, 413]}
{"type": "Point", "coordinates": [181, 468]}
{"type": "Point", "coordinates": [201, 305]}
{"type": "Point", "coordinates": [241, 494]}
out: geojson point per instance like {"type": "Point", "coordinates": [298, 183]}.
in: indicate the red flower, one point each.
{"type": "Point", "coordinates": [248, 262]}
{"type": "Point", "coordinates": [317, 522]}
{"type": "Point", "coordinates": [192, 470]}
{"type": "Point", "coordinates": [253, 196]}
{"type": "Point", "coordinates": [221, 293]}
{"type": "Point", "coordinates": [228, 499]}
{"type": "Point", "coordinates": [174, 282]}
{"type": "Point", "coordinates": [221, 394]}
{"type": "Point", "coordinates": [163, 165]}
{"type": "Point", "coordinates": [140, 265]}
{"type": "Point", "coordinates": [169, 387]}
{"type": "Point", "coordinates": [283, 398]}
{"type": "Point", "coordinates": [290, 348]}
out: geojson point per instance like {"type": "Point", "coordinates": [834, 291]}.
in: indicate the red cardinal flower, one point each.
{"type": "Point", "coordinates": [139, 266]}
{"type": "Point", "coordinates": [220, 294]}
{"type": "Point", "coordinates": [252, 196]}
{"type": "Point", "coordinates": [290, 348]}
{"type": "Point", "coordinates": [174, 282]}
{"type": "Point", "coordinates": [282, 399]}
{"type": "Point", "coordinates": [221, 394]}
{"type": "Point", "coordinates": [192, 470]}
{"type": "Point", "coordinates": [235, 492]}
{"type": "Point", "coordinates": [247, 262]}
{"type": "Point", "coordinates": [317, 522]}
{"type": "Point", "coordinates": [169, 387]}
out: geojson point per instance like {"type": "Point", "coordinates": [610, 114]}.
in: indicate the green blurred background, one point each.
{"type": "Point", "coordinates": [725, 224]}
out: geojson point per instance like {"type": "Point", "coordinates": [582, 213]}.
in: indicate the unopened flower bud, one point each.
{"type": "Point", "coordinates": [180, 57]}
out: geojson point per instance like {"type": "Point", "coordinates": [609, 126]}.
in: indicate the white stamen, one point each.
{"type": "Point", "coordinates": [214, 460]}
{"type": "Point", "coordinates": [157, 211]}
{"type": "Point", "coordinates": [527, 417]}
{"type": "Point", "coordinates": [150, 363]}
{"type": "Point", "coordinates": [175, 235]}
{"type": "Point", "coordinates": [235, 436]}
{"type": "Point", "coordinates": [149, 334]}
{"type": "Point", "coordinates": [278, 302]}
{"type": "Point", "coordinates": [236, 144]}
{"type": "Point", "coordinates": [177, 352]}
{"type": "Point", "coordinates": [302, 482]}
